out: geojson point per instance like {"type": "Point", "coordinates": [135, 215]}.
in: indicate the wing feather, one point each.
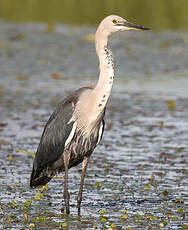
{"type": "Point", "coordinates": [55, 134]}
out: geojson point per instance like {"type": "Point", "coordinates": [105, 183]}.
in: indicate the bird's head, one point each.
{"type": "Point", "coordinates": [114, 23]}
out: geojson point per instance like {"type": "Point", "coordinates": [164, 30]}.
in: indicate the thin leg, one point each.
{"type": "Point", "coordinates": [84, 167]}
{"type": "Point", "coordinates": [66, 193]}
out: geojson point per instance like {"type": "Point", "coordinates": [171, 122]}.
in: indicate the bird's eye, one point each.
{"type": "Point", "coordinates": [115, 21]}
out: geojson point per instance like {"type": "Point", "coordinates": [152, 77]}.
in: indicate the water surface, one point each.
{"type": "Point", "coordinates": [137, 176]}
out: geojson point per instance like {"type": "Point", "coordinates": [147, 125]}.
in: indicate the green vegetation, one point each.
{"type": "Point", "coordinates": [168, 14]}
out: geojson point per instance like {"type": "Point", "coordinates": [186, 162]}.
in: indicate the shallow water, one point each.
{"type": "Point", "coordinates": [137, 176]}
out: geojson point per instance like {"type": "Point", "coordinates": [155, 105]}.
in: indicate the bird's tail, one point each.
{"type": "Point", "coordinates": [39, 178]}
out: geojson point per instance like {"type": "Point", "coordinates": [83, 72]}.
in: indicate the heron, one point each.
{"type": "Point", "coordinates": [76, 126]}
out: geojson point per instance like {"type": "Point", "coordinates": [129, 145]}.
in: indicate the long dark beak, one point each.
{"type": "Point", "coordinates": [132, 26]}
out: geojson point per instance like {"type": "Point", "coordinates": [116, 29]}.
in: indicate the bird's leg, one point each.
{"type": "Point", "coordinates": [84, 167]}
{"type": "Point", "coordinates": [66, 193]}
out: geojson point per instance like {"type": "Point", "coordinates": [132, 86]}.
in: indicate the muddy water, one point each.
{"type": "Point", "coordinates": [137, 177]}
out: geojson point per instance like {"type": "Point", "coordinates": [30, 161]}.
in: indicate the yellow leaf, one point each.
{"type": "Point", "coordinates": [171, 104]}
{"type": "Point", "coordinates": [31, 225]}
{"type": "Point", "coordinates": [38, 196]}
{"type": "Point", "coordinates": [15, 185]}
{"type": "Point", "coordinates": [98, 184]}
{"type": "Point", "coordinates": [102, 211]}
{"type": "Point", "coordinates": [63, 225]}
{"type": "Point", "coordinates": [125, 216]}
{"type": "Point", "coordinates": [147, 187]}
{"type": "Point", "coordinates": [112, 226]}
{"type": "Point", "coordinates": [10, 158]}
{"type": "Point", "coordinates": [161, 225]}
{"type": "Point", "coordinates": [102, 219]}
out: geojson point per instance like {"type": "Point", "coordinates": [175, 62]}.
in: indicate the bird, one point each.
{"type": "Point", "coordinates": [76, 126]}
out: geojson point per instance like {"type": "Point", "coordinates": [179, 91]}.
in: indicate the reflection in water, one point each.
{"type": "Point", "coordinates": [160, 14]}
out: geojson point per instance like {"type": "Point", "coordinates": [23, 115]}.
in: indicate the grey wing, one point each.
{"type": "Point", "coordinates": [53, 139]}
{"type": "Point", "coordinates": [54, 136]}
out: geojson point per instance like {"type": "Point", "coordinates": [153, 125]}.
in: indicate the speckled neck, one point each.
{"type": "Point", "coordinates": [104, 85]}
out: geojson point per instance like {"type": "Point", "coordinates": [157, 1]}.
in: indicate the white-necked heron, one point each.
{"type": "Point", "coordinates": [76, 126]}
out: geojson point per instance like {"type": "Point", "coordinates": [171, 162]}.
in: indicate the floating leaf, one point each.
{"type": "Point", "coordinates": [154, 218]}
{"type": "Point", "coordinates": [103, 219]}
{"type": "Point", "coordinates": [98, 184]}
{"type": "Point", "coordinates": [185, 226]}
{"type": "Point", "coordinates": [106, 169]}
{"type": "Point", "coordinates": [171, 105]}
{"type": "Point", "coordinates": [161, 123]}
{"type": "Point", "coordinates": [179, 201]}
{"type": "Point", "coordinates": [13, 204]}
{"type": "Point", "coordinates": [161, 225]}
{"type": "Point", "coordinates": [27, 203]}
{"type": "Point", "coordinates": [125, 216]}
{"type": "Point", "coordinates": [165, 193]}
{"type": "Point", "coordinates": [139, 216]}
{"type": "Point", "coordinates": [148, 217]}
{"type": "Point", "coordinates": [10, 158]}
{"type": "Point", "coordinates": [102, 211]}
{"type": "Point", "coordinates": [56, 75]}
{"type": "Point", "coordinates": [15, 185]}
{"type": "Point", "coordinates": [174, 218]}
{"type": "Point", "coordinates": [38, 196]}
{"type": "Point", "coordinates": [32, 225]}
{"type": "Point", "coordinates": [41, 218]}
{"type": "Point", "coordinates": [112, 226]}
{"type": "Point", "coordinates": [180, 210]}
{"type": "Point", "coordinates": [63, 225]}
{"type": "Point", "coordinates": [147, 187]}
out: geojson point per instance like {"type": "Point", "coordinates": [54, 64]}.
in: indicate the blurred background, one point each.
{"type": "Point", "coordinates": [158, 14]}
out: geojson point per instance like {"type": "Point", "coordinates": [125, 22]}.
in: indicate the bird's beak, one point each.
{"type": "Point", "coordinates": [131, 26]}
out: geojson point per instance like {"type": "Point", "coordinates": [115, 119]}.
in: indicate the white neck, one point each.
{"type": "Point", "coordinates": [101, 92]}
